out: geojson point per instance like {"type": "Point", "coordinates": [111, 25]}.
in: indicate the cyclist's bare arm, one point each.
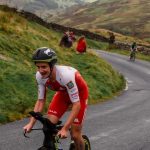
{"type": "Point", "coordinates": [39, 105]}
{"type": "Point", "coordinates": [74, 112]}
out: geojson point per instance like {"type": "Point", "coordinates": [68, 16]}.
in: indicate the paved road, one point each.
{"type": "Point", "coordinates": [122, 123]}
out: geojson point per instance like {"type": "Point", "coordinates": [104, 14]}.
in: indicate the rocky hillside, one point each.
{"type": "Point", "coordinates": [129, 17]}
{"type": "Point", "coordinates": [44, 6]}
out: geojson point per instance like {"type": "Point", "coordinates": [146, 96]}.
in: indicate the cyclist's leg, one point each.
{"type": "Point", "coordinates": [58, 106]}
{"type": "Point", "coordinates": [76, 128]}
{"type": "Point", "coordinates": [54, 113]}
{"type": "Point", "coordinates": [131, 54]}
{"type": "Point", "coordinates": [56, 109]}
{"type": "Point", "coordinates": [76, 134]}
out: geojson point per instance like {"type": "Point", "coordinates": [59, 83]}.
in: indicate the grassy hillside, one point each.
{"type": "Point", "coordinates": [18, 39]}
{"type": "Point", "coordinates": [129, 17]}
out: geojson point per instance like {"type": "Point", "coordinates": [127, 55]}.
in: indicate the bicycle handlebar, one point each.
{"type": "Point", "coordinates": [48, 126]}
{"type": "Point", "coordinates": [25, 132]}
{"type": "Point", "coordinates": [39, 116]}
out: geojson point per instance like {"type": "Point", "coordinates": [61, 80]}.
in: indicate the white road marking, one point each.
{"type": "Point", "coordinates": [126, 88]}
{"type": "Point", "coordinates": [128, 81]}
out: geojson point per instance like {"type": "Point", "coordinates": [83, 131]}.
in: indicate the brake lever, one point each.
{"type": "Point", "coordinates": [24, 133]}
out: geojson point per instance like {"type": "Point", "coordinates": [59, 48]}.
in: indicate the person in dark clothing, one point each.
{"type": "Point", "coordinates": [65, 40]}
{"type": "Point", "coordinates": [111, 40]}
{"type": "Point", "coordinates": [72, 36]}
{"type": "Point", "coordinates": [133, 51]}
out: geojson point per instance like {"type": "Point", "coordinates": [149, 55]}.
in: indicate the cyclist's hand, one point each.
{"type": "Point", "coordinates": [62, 133]}
{"type": "Point", "coordinates": [28, 128]}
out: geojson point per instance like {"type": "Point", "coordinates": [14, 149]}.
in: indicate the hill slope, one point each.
{"type": "Point", "coordinates": [129, 17]}
{"type": "Point", "coordinates": [44, 7]}
{"type": "Point", "coordinates": [18, 39]}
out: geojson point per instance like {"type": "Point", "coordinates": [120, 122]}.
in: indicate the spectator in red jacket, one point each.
{"type": "Point", "coordinates": [81, 45]}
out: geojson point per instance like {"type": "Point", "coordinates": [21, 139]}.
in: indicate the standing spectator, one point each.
{"type": "Point", "coordinates": [111, 40]}
{"type": "Point", "coordinates": [72, 36]}
{"type": "Point", "coordinates": [66, 40]}
{"type": "Point", "coordinates": [81, 45]}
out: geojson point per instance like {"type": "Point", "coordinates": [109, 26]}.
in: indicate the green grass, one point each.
{"type": "Point", "coordinates": [18, 40]}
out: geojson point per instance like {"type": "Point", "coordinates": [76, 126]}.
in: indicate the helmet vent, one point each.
{"type": "Point", "coordinates": [38, 52]}
{"type": "Point", "coordinates": [48, 52]}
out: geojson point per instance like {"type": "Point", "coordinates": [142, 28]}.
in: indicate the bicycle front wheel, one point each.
{"type": "Point", "coordinates": [87, 142]}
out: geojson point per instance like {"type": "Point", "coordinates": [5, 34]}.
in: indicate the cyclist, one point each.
{"type": "Point", "coordinates": [70, 88]}
{"type": "Point", "coordinates": [133, 50]}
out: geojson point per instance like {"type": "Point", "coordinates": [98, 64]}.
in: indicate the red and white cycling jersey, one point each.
{"type": "Point", "coordinates": [70, 87]}
{"type": "Point", "coordinates": [67, 79]}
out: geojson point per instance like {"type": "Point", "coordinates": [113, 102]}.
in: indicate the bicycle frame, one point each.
{"type": "Point", "coordinates": [49, 129]}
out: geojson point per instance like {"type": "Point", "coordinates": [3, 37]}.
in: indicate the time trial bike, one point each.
{"type": "Point", "coordinates": [51, 140]}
